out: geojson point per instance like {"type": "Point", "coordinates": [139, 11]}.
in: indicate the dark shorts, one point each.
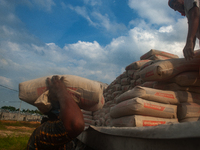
{"type": "Point", "coordinates": [50, 135]}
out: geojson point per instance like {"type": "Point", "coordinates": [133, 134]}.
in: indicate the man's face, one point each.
{"type": "Point", "coordinates": [178, 5]}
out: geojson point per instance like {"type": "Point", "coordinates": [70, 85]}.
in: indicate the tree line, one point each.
{"type": "Point", "coordinates": [11, 108]}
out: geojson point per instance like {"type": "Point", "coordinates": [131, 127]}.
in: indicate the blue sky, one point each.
{"type": "Point", "coordinates": [95, 39]}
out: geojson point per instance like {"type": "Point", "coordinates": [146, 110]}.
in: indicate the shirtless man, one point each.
{"type": "Point", "coordinates": [61, 127]}
{"type": "Point", "coordinates": [190, 9]}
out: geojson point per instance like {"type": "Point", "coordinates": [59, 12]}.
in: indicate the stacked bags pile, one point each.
{"type": "Point", "coordinates": [87, 116]}
{"type": "Point", "coordinates": [144, 94]}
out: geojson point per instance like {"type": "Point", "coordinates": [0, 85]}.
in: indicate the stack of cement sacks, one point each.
{"type": "Point", "coordinates": [141, 96]}
{"type": "Point", "coordinates": [87, 116]}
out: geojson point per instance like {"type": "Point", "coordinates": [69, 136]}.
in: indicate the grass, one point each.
{"type": "Point", "coordinates": [12, 142]}
{"type": "Point", "coordinates": [16, 140]}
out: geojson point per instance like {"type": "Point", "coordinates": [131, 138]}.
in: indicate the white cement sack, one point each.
{"type": "Point", "coordinates": [157, 52]}
{"type": "Point", "coordinates": [124, 75]}
{"type": "Point", "coordinates": [158, 57]}
{"type": "Point", "coordinates": [97, 122]}
{"type": "Point", "coordinates": [116, 93]}
{"type": "Point", "coordinates": [189, 119]}
{"type": "Point", "coordinates": [161, 96]}
{"type": "Point", "coordinates": [96, 117]}
{"type": "Point", "coordinates": [149, 84]}
{"type": "Point", "coordinates": [125, 88]}
{"type": "Point", "coordinates": [188, 97]}
{"type": "Point", "coordinates": [91, 91]}
{"type": "Point", "coordinates": [138, 106]}
{"type": "Point", "coordinates": [85, 112]}
{"type": "Point", "coordinates": [102, 121]}
{"type": "Point", "coordinates": [136, 75]}
{"type": "Point", "coordinates": [117, 87]}
{"type": "Point", "coordinates": [107, 123]}
{"type": "Point", "coordinates": [125, 81]}
{"type": "Point", "coordinates": [42, 103]}
{"type": "Point", "coordinates": [139, 82]}
{"type": "Point", "coordinates": [89, 121]}
{"type": "Point", "coordinates": [87, 116]}
{"type": "Point", "coordinates": [140, 121]}
{"type": "Point", "coordinates": [132, 83]}
{"type": "Point", "coordinates": [167, 69]}
{"type": "Point", "coordinates": [107, 116]}
{"type": "Point", "coordinates": [136, 65]}
{"type": "Point", "coordinates": [188, 79]}
{"type": "Point", "coordinates": [188, 110]}
{"type": "Point", "coordinates": [175, 87]}
{"type": "Point", "coordinates": [148, 64]}
{"type": "Point", "coordinates": [130, 73]}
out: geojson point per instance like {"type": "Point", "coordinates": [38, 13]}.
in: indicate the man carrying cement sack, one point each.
{"type": "Point", "coordinates": [65, 120]}
{"type": "Point", "coordinates": [190, 8]}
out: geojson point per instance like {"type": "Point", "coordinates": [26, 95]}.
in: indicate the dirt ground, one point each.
{"type": "Point", "coordinates": [17, 130]}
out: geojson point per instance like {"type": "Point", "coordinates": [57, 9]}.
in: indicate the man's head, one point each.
{"type": "Point", "coordinates": [177, 5]}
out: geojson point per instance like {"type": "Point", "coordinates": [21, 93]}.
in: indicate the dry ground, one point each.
{"type": "Point", "coordinates": [16, 130]}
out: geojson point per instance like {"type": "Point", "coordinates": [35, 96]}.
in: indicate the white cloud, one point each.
{"type": "Point", "coordinates": [83, 12]}
{"type": "Point", "coordinates": [6, 82]}
{"type": "Point", "coordinates": [44, 4]}
{"type": "Point", "coordinates": [155, 11]}
{"type": "Point", "coordinates": [166, 29]}
{"type": "Point", "coordinates": [93, 2]}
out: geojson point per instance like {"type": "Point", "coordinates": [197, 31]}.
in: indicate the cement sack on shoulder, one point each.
{"type": "Point", "coordinates": [161, 96]}
{"type": "Point", "coordinates": [90, 91]}
{"type": "Point", "coordinates": [189, 119]}
{"type": "Point", "coordinates": [188, 79]}
{"type": "Point", "coordinates": [157, 52]}
{"type": "Point", "coordinates": [136, 65]}
{"type": "Point", "coordinates": [140, 121]}
{"type": "Point", "coordinates": [138, 106]}
{"type": "Point", "coordinates": [188, 110]}
{"type": "Point", "coordinates": [167, 69]}
{"type": "Point", "coordinates": [158, 57]}
{"type": "Point", "coordinates": [175, 87]}
{"type": "Point", "coordinates": [42, 103]}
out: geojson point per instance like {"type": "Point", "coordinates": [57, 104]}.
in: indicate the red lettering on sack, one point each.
{"type": "Point", "coordinates": [152, 123]}
{"type": "Point", "coordinates": [41, 90]}
{"type": "Point", "coordinates": [150, 73]}
{"type": "Point", "coordinates": [171, 96]}
{"type": "Point", "coordinates": [155, 107]}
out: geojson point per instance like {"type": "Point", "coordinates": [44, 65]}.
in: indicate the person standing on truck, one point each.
{"type": "Point", "coordinates": [190, 9]}
{"type": "Point", "coordinates": [64, 123]}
